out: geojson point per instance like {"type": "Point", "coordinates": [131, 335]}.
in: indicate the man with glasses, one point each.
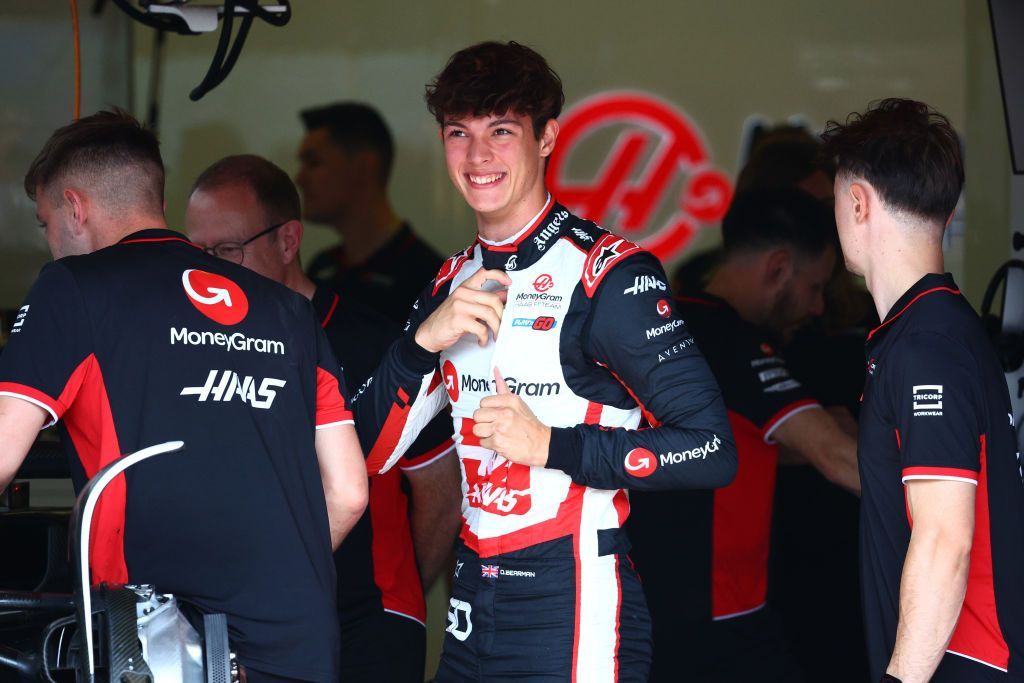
{"type": "Point", "coordinates": [400, 545]}
{"type": "Point", "coordinates": [134, 337]}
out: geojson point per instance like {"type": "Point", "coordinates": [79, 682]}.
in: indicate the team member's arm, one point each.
{"type": "Point", "coordinates": [816, 436]}
{"type": "Point", "coordinates": [20, 422]}
{"type": "Point", "coordinates": [45, 361]}
{"type": "Point", "coordinates": [934, 577]}
{"type": "Point", "coordinates": [935, 402]}
{"type": "Point", "coordinates": [435, 512]}
{"type": "Point", "coordinates": [344, 477]}
{"type": "Point", "coordinates": [642, 343]}
{"type": "Point", "coordinates": [407, 390]}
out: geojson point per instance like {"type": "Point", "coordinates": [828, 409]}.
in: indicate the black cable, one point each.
{"type": "Point", "coordinates": [997, 279]}
{"type": "Point", "coordinates": [26, 665]}
{"type": "Point", "coordinates": [210, 81]}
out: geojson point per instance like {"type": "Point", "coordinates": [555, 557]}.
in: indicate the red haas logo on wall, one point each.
{"type": "Point", "coordinates": [215, 296]}
{"type": "Point", "coordinates": [634, 186]}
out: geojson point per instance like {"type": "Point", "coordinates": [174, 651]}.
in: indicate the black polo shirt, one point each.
{"type": "Point", "coordinates": [152, 340]}
{"type": "Point", "coordinates": [936, 407]}
{"type": "Point", "coordinates": [389, 280]}
{"type": "Point", "coordinates": [716, 565]}
{"type": "Point", "coordinates": [376, 564]}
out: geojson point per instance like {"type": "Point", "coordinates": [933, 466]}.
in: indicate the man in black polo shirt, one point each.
{"type": "Point", "coordinates": [708, 587]}
{"type": "Point", "coordinates": [245, 209]}
{"type": "Point", "coordinates": [134, 337]}
{"type": "Point", "coordinates": [344, 164]}
{"type": "Point", "coordinates": [942, 541]}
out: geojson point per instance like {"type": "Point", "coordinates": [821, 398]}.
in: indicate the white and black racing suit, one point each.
{"type": "Point", "coordinates": [591, 341]}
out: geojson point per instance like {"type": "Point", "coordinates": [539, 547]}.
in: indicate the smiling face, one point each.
{"type": "Point", "coordinates": [497, 164]}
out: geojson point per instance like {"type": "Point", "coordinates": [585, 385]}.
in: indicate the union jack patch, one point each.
{"type": "Point", "coordinates": [489, 571]}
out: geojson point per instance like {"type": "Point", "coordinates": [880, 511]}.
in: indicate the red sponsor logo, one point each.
{"type": "Point", "coordinates": [640, 462]}
{"type": "Point", "coordinates": [503, 491]}
{"type": "Point", "coordinates": [450, 268]}
{"type": "Point", "coordinates": [767, 349]}
{"type": "Point", "coordinates": [664, 310]}
{"type": "Point", "coordinates": [451, 380]}
{"type": "Point", "coordinates": [215, 296]}
{"type": "Point", "coordinates": [543, 283]}
{"type": "Point", "coordinates": [635, 187]}
{"type": "Point", "coordinates": [544, 323]}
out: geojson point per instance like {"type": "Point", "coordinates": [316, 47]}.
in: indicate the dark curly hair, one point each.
{"type": "Point", "coordinates": [495, 78]}
{"type": "Point", "coordinates": [907, 151]}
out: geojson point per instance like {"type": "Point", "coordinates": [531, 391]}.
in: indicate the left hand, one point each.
{"type": "Point", "coordinates": [507, 426]}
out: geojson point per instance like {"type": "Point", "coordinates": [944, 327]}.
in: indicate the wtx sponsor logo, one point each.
{"type": "Point", "coordinates": [645, 283]}
{"type": "Point", "coordinates": [230, 342]}
{"type": "Point", "coordinates": [226, 385]}
{"type": "Point", "coordinates": [675, 349]}
{"type": "Point", "coordinates": [543, 323]}
{"type": "Point", "coordinates": [927, 400]}
{"type": "Point", "coordinates": [550, 230]}
{"type": "Point", "coordinates": [700, 453]}
{"type": "Point", "coordinates": [662, 329]}
{"type": "Point", "coordinates": [19, 319]}
{"type": "Point", "coordinates": [479, 384]}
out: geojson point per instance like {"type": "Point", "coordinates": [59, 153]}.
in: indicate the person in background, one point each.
{"type": "Point", "coordinates": [942, 544]}
{"type": "Point", "coordinates": [345, 163]}
{"type": "Point", "coordinates": [779, 252]}
{"type": "Point", "coordinates": [135, 337]}
{"type": "Point", "coordinates": [246, 210]}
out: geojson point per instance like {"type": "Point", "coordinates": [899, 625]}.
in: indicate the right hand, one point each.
{"type": "Point", "coordinates": [467, 310]}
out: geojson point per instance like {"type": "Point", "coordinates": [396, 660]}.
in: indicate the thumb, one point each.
{"type": "Point", "coordinates": [499, 383]}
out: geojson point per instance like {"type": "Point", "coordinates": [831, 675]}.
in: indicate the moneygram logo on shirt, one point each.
{"type": "Point", "coordinates": [215, 296]}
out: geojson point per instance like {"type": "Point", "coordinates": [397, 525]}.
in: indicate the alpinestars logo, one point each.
{"type": "Point", "coordinates": [215, 296]}
{"type": "Point", "coordinates": [19, 319]}
{"type": "Point", "coordinates": [226, 385]}
{"type": "Point", "coordinates": [644, 283]}
{"type": "Point", "coordinates": [927, 400]}
{"type": "Point", "coordinates": [550, 230]}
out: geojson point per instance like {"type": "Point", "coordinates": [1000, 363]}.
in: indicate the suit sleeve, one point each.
{"type": "Point", "coordinates": [49, 352]}
{"type": "Point", "coordinates": [936, 403]}
{"type": "Point", "coordinates": [403, 395]}
{"type": "Point", "coordinates": [644, 344]}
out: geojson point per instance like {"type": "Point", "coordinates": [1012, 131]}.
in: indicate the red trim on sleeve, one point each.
{"type": "Point", "coordinates": [593, 415]}
{"type": "Point", "coordinates": [394, 561]}
{"type": "Point", "coordinates": [594, 271]}
{"type": "Point", "coordinates": [23, 391]}
{"type": "Point", "coordinates": [648, 415]}
{"type": "Point", "coordinates": [899, 444]}
{"type": "Point", "coordinates": [426, 457]}
{"type": "Point", "coordinates": [387, 440]}
{"type": "Point", "coordinates": [330, 312]}
{"type": "Point", "coordinates": [330, 404]}
{"type": "Point", "coordinates": [781, 416]}
{"type": "Point", "coordinates": [435, 382]}
{"type": "Point", "coordinates": [923, 472]}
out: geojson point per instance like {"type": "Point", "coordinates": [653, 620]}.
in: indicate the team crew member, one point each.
{"type": "Point", "coordinates": [134, 337]}
{"type": "Point", "coordinates": [779, 252]}
{"type": "Point", "coordinates": [345, 163]}
{"type": "Point", "coordinates": [380, 593]}
{"type": "Point", "coordinates": [942, 543]}
{"type": "Point", "coordinates": [549, 381]}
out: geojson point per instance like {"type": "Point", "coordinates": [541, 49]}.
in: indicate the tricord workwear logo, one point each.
{"type": "Point", "coordinates": [655, 185]}
{"type": "Point", "coordinates": [215, 296]}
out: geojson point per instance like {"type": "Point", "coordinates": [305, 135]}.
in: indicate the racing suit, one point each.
{"type": "Point", "coordinates": [590, 340]}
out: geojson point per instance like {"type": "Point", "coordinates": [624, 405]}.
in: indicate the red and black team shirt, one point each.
{"type": "Point", "coordinates": [728, 528]}
{"type": "Point", "coordinates": [376, 564]}
{"type": "Point", "coordinates": [152, 340]}
{"type": "Point", "coordinates": [936, 407]}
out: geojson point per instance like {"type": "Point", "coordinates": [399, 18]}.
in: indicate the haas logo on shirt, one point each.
{"type": "Point", "coordinates": [215, 296]}
{"type": "Point", "coordinates": [503, 491]}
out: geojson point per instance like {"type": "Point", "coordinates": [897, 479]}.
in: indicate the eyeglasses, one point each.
{"type": "Point", "coordinates": [235, 251]}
